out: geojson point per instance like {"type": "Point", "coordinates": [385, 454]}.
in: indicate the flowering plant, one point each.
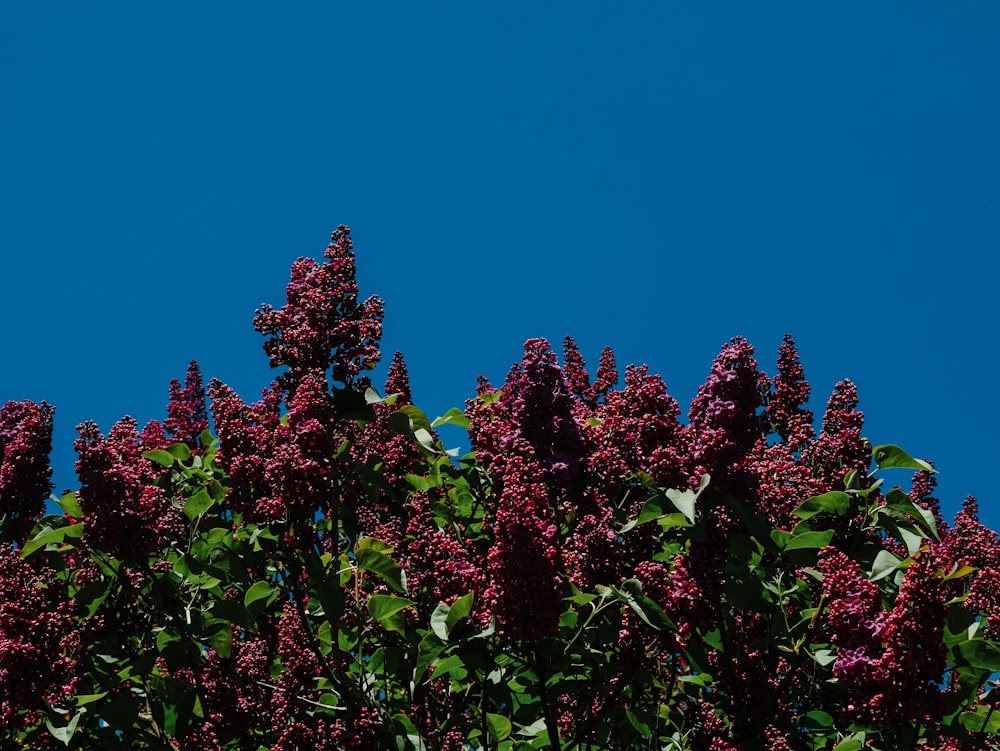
{"type": "Point", "coordinates": [321, 573]}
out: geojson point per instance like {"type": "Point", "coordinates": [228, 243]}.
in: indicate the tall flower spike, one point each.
{"type": "Point", "coordinates": [839, 448]}
{"type": "Point", "coordinates": [639, 431]}
{"type": "Point", "coordinates": [125, 513]}
{"type": "Point", "coordinates": [397, 380]}
{"type": "Point", "coordinates": [575, 369]}
{"type": "Point", "coordinates": [245, 441]}
{"type": "Point", "coordinates": [525, 589]}
{"type": "Point", "coordinates": [607, 373]}
{"type": "Point", "coordinates": [25, 474]}
{"type": "Point", "coordinates": [544, 416]}
{"type": "Point", "coordinates": [30, 632]}
{"type": "Point", "coordinates": [323, 324]}
{"type": "Point", "coordinates": [724, 424]}
{"type": "Point", "coordinates": [186, 414]}
{"type": "Point", "coordinates": [791, 392]}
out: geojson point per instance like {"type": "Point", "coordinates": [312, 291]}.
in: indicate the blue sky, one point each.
{"type": "Point", "coordinates": [659, 177]}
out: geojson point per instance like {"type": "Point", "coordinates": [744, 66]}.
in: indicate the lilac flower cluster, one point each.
{"type": "Point", "coordinates": [280, 469]}
{"type": "Point", "coordinates": [724, 420]}
{"type": "Point", "coordinates": [892, 662]}
{"type": "Point", "coordinates": [25, 474]}
{"type": "Point", "coordinates": [525, 588]}
{"type": "Point", "coordinates": [125, 513]}
{"type": "Point", "coordinates": [32, 665]}
{"type": "Point", "coordinates": [323, 324]}
{"type": "Point", "coordinates": [186, 414]}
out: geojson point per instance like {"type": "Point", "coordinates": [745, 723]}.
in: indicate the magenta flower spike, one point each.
{"type": "Point", "coordinates": [322, 324]}
{"type": "Point", "coordinates": [25, 474]}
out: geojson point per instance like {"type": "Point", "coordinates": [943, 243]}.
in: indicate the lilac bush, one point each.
{"type": "Point", "coordinates": [598, 573]}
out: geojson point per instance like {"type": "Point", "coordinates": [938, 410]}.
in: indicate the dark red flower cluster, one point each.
{"type": "Point", "coordinates": [781, 482]}
{"type": "Point", "coordinates": [125, 513]}
{"type": "Point", "coordinates": [25, 474]}
{"type": "Point", "coordinates": [545, 418]}
{"type": "Point", "coordinates": [575, 370]}
{"type": "Point", "coordinates": [724, 420]}
{"type": "Point", "coordinates": [524, 564]}
{"type": "Point", "coordinates": [638, 429]}
{"type": "Point", "coordinates": [438, 561]}
{"type": "Point", "coordinates": [786, 406]}
{"type": "Point", "coordinates": [839, 448]}
{"type": "Point", "coordinates": [891, 663]}
{"type": "Point", "coordinates": [911, 669]}
{"type": "Point", "coordinates": [855, 618]}
{"type": "Point", "coordinates": [280, 468]}
{"type": "Point", "coordinates": [323, 324]}
{"type": "Point", "coordinates": [186, 414]}
{"type": "Point", "coordinates": [390, 453]}
{"type": "Point", "coordinates": [31, 632]}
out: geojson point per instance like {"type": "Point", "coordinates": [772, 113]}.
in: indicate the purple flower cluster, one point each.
{"type": "Point", "coordinates": [323, 324]}
{"type": "Point", "coordinates": [186, 414]}
{"type": "Point", "coordinates": [25, 474]}
{"type": "Point", "coordinates": [280, 469]}
{"type": "Point", "coordinates": [785, 408]}
{"type": "Point", "coordinates": [525, 589]}
{"type": "Point", "coordinates": [839, 448]}
{"type": "Point", "coordinates": [125, 513]}
{"type": "Point", "coordinates": [891, 662]}
{"type": "Point", "coordinates": [31, 633]}
{"type": "Point", "coordinates": [724, 420]}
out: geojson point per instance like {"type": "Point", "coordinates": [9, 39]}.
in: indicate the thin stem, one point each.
{"type": "Point", "coordinates": [550, 723]}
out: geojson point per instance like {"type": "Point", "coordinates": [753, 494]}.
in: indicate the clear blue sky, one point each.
{"type": "Point", "coordinates": [654, 176]}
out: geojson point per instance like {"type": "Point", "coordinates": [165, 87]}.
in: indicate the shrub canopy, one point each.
{"type": "Point", "coordinates": [597, 573]}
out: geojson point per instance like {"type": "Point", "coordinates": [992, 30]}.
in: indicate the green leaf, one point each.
{"type": "Point", "coordinates": [163, 458]}
{"type": "Point", "coordinates": [823, 657]}
{"type": "Point", "coordinates": [912, 539]}
{"type": "Point", "coordinates": [453, 416]}
{"type": "Point", "coordinates": [50, 536]}
{"type": "Point", "coordinates": [452, 666]}
{"type": "Point", "coordinates": [64, 733]}
{"type": "Point", "coordinates": [179, 451]}
{"type": "Point", "coordinates": [386, 610]}
{"type": "Point", "coordinates": [439, 621]}
{"type": "Point", "coordinates": [651, 509]}
{"type": "Point", "coordinates": [884, 564]}
{"type": "Point", "coordinates": [684, 500]}
{"type": "Point", "coordinates": [198, 504]}
{"type": "Point", "coordinates": [696, 679]}
{"type": "Point", "coordinates": [631, 594]}
{"type": "Point", "coordinates": [221, 640]}
{"type": "Point", "coordinates": [70, 505]}
{"type": "Point", "coordinates": [981, 721]}
{"type": "Point", "coordinates": [418, 420]}
{"type": "Point", "coordinates": [893, 457]}
{"type": "Point", "coordinates": [803, 541]}
{"type": "Point", "coordinates": [638, 723]}
{"type": "Point", "coordinates": [258, 591]}
{"type": "Point", "coordinates": [899, 501]}
{"type": "Point", "coordinates": [428, 650]}
{"type": "Point", "coordinates": [980, 654]}
{"type": "Point", "coordinates": [834, 502]}
{"type": "Point", "coordinates": [232, 612]}
{"type": "Point", "coordinates": [851, 744]}
{"type": "Point", "coordinates": [536, 728]}
{"type": "Point", "coordinates": [374, 562]}
{"type": "Point", "coordinates": [819, 719]}
{"type": "Point", "coordinates": [960, 570]}
{"type": "Point", "coordinates": [459, 609]}
{"type": "Point", "coordinates": [412, 734]}
{"type": "Point", "coordinates": [498, 725]}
